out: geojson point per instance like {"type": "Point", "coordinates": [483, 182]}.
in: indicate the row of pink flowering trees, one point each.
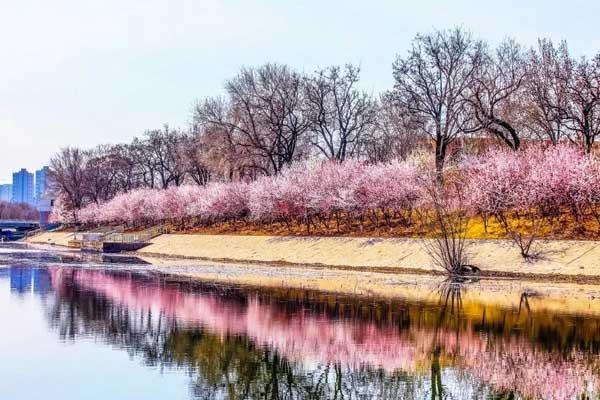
{"type": "Point", "coordinates": [524, 191]}
{"type": "Point", "coordinates": [311, 193]}
{"type": "Point", "coordinates": [534, 190]}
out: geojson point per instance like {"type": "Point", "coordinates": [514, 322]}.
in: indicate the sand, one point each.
{"type": "Point", "coordinates": [52, 238]}
{"type": "Point", "coordinates": [566, 258]}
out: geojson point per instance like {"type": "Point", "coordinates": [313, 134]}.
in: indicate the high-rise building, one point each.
{"type": "Point", "coordinates": [41, 183]}
{"type": "Point", "coordinates": [22, 187]}
{"type": "Point", "coordinates": [6, 192]}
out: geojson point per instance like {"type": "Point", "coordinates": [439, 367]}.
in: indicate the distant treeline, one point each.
{"type": "Point", "coordinates": [17, 211]}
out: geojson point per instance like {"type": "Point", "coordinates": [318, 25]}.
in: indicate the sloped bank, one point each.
{"type": "Point", "coordinates": [559, 260]}
{"type": "Point", "coordinates": [59, 238]}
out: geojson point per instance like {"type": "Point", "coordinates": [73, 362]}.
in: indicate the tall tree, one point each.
{"type": "Point", "coordinates": [340, 114]}
{"type": "Point", "coordinates": [67, 169]}
{"type": "Point", "coordinates": [583, 107]}
{"type": "Point", "coordinates": [194, 159]}
{"type": "Point", "coordinates": [497, 89]}
{"type": "Point", "coordinates": [263, 114]}
{"type": "Point", "coordinates": [550, 70]}
{"type": "Point", "coordinates": [395, 134]}
{"type": "Point", "coordinates": [433, 82]}
{"type": "Point", "coordinates": [160, 152]}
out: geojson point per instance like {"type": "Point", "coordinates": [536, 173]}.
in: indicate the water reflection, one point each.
{"type": "Point", "coordinates": [291, 344]}
{"type": "Point", "coordinates": [15, 254]}
{"type": "Point", "coordinates": [25, 280]}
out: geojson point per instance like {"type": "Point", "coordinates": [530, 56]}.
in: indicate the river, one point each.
{"type": "Point", "coordinates": [74, 327]}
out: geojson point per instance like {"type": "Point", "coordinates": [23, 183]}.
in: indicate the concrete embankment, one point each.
{"type": "Point", "coordinates": [558, 259]}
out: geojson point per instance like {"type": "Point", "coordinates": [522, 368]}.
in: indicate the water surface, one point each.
{"type": "Point", "coordinates": [82, 327]}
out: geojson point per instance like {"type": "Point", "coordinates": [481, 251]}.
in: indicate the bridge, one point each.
{"type": "Point", "coordinates": [15, 230]}
{"type": "Point", "coordinates": [19, 225]}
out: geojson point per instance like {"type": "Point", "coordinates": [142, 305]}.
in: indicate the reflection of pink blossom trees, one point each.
{"type": "Point", "coordinates": [504, 362]}
{"type": "Point", "coordinates": [514, 365]}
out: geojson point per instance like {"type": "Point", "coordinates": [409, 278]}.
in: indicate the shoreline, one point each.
{"type": "Point", "coordinates": [562, 261]}
{"type": "Point", "coordinates": [541, 296]}
{"type": "Point", "coordinates": [493, 275]}
{"type": "Point", "coordinates": [547, 295]}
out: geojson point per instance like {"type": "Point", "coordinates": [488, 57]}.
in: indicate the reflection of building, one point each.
{"type": "Point", "coordinates": [41, 183]}
{"type": "Point", "coordinates": [22, 187]}
{"type": "Point", "coordinates": [20, 280]}
{"type": "Point", "coordinates": [23, 280]}
{"type": "Point", "coordinates": [6, 192]}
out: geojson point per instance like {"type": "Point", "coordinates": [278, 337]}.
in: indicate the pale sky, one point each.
{"type": "Point", "coordinates": [88, 72]}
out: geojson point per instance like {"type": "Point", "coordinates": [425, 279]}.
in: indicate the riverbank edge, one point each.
{"type": "Point", "coordinates": [550, 278]}
{"type": "Point", "coordinates": [560, 260]}
{"type": "Point", "coordinates": [541, 296]}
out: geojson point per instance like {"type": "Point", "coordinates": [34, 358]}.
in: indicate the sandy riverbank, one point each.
{"type": "Point", "coordinates": [496, 257]}
{"type": "Point", "coordinates": [51, 238]}
{"type": "Point", "coordinates": [560, 260]}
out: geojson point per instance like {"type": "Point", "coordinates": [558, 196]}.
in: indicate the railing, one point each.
{"type": "Point", "coordinates": [32, 233]}
{"type": "Point", "coordinates": [89, 236]}
{"type": "Point", "coordinates": [99, 234]}
{"type": "Point", "coordinates": [135, 237]}
{"type": "Point", "coordinates": [116, 235]}
{"type": "Point", "coordinates": [110, 229]}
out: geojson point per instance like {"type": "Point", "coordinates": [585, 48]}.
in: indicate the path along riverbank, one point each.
{"type": "Point", "coordinates": [559, 260]}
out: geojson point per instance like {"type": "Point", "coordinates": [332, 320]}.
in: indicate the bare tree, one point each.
{"type": "Point", "coordinates": [67, 169]}
{"type": "Point", "coordinates": [550, 70]}
{"type": "Point", "coordinates": [340, 114]}
{"type": "Point", "coordinates": [128, 172]}
{"type": "Point", "coordinates": [263, 115]}
{"type": "Point", "coordinates": [193, 154]}
{"type": "Point", "coordinates": [100, 174]}
{"type": "Point", "coordinates": [433, 82]}
{"type": "Point", "coordinates": [395, 134]}
{"type": "Point", "coordinates": [583, 107]}
{"type": "Point", "coordinates": [158, 152]}
{"type": "Point", "coordinates": [496, 90]}
{"type": "Point", "coordinates": [448, 248]}
{"type": "Point", "coordinates": [144, 161]}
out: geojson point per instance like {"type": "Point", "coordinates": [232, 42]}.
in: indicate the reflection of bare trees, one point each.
{"type": "Point", "coordinates": [79, 313]}
{"type": "Point", "coordinates": [450, 306]}
{"type": "Point", "coordinates": [451, 291]}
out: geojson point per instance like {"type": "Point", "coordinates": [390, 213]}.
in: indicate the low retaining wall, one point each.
{"type": "Point", "coordinates": [493, 256]}
{"type": "Point", "coordinates": [116, 247]}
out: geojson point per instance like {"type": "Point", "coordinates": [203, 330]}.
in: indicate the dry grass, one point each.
{"type": "Point", "coordinates": [564, 227]}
